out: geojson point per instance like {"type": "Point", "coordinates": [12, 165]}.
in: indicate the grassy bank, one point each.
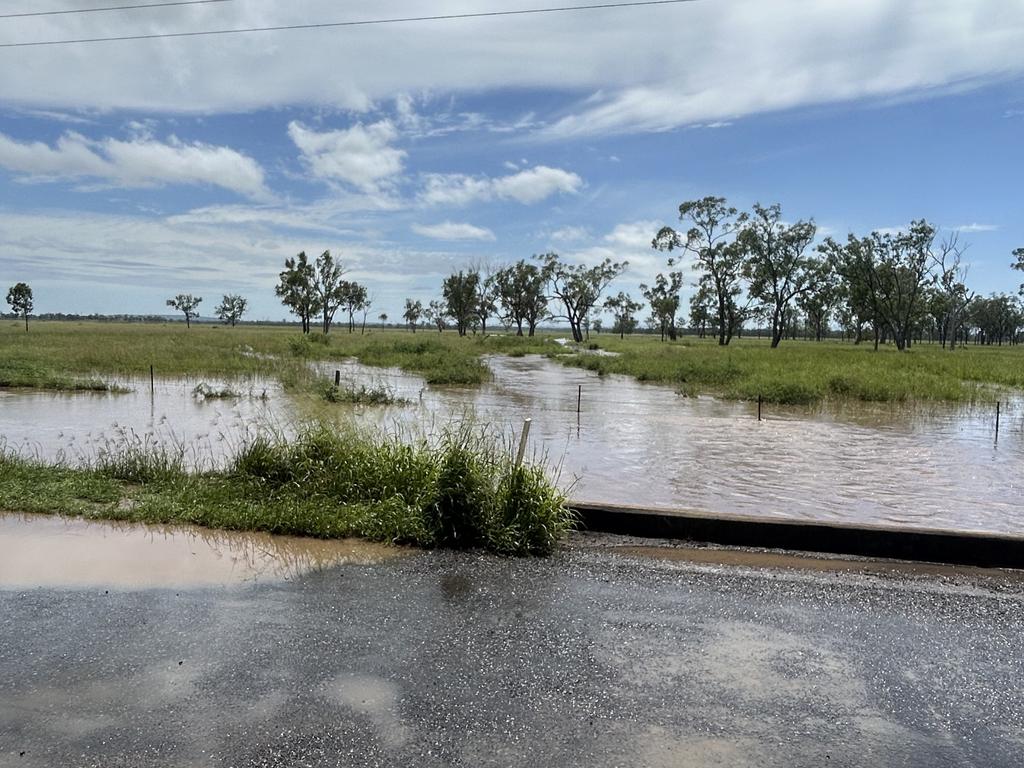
{"type": "Point", "coordinates": [65, 355]}
{"type": "Point", "coordinates": [464, 492]}
{"type": "Point", "coordinates": [801, 372]}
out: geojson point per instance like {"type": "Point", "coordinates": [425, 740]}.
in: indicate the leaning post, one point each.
{"type": "Point", "coordinates": [522, 441]}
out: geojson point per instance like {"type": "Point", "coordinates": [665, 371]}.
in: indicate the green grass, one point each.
{"type": "Point", "coordinates": [68, 355]}
{"type": "Point", "coordinates": [464, 491]}
{"type": "Point", "coordinates": [58, 355]}
{"type": "Point", "coordinates": [803, 372]}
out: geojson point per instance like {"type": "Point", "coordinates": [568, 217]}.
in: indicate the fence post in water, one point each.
{"type": "Point", "coordinates": [152, 383]}
{"type": "Point", "coordinates": [522, 441]}
{"type": "Point", "coordinates": [579, 399]}
{"type": "Point", "coordinates": [998, 403]}
{"type": "Point", "coordinates": [337, 378]}
{"type": "Point", "coordinates": [759, 406]}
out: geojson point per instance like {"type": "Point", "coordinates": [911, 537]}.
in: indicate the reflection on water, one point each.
{"type": "Point", "coordinates": [633, 443]}
{"type": "Point", "coordinates": [77, 426]}
{"type": "Point", "coordinates": [642, 444]}
{"type": "Point", "coordinates": [43, 550]}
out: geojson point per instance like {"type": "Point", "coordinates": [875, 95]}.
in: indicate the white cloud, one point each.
{"type": "Point", "coordinates": [139, 162]}
{"type": "Point", "coordinates": [570, 234]}
{"type": "Point", "coordinates": [361, 155]}
{"type": "Point", "coordinates": [635, 235]}
{"type": "Point", "coordinates": [85, 262]}
{"type": "Point", "coordinates": [650, 68]}
{"type": "Point", "coordinates": [975, 227]}
{"type": "Point", "coordinates": [448, 230]}
{"type": "Point", "coordinates": [528, 186]}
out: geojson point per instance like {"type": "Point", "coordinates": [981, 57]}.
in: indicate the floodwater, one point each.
{"type": "Point", "coordinates": [77, 426]}
{"type": "Point", "coordinates": [52, 551]}
{"type": "Point", "coordinates": [630, 443]}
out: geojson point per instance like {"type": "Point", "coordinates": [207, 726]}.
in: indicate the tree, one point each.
{"type": "Point", "coordinates": [997, 319]}
{"type": "Point", "coordinates": [700, 310]}
{"type": "Point", "coordinates": [231, 308]}
{"type": "Point", "coordinates": [413, 313]}
{"type": "Point", "coordinates": [486, 301]}
{"type": "Point", "coordinates": [712, 240]}
{"type": "Point", "coordinates": [331, 290]}
{"type": "Point", "coordinates": [578, 287]}
{"type": "Point", "coordinates": [624, 310]}
{"type": "Point", "coordinates": [295, 288]}
{"type": "Point", "coordinates": [774, 262]}
{"type": "Point", "coordinates": [437, 313]}
{"type": "Point", "coordinates": [383, 317]}
{"type": "Point", "coordinates": [187, 304]}
{"type": "Point", "coordinates": [1018, 254]}
{"type": "Point", "coordinates": [365, 307]}
{"type": "Point", "coordinates": [355, 298]}
{"type": "Point", "coordinates": [519, 291]}
{"type": "Point", "coordinates": [19, 296]}
{"type": "Point", "coordinates": [663, 297]}
{"type": "Point", "coordinates": [950, 297]}
{"type": "Point", "coordinates": [461, 298]}
{"type": "Point", "coordinates": [819, 302]}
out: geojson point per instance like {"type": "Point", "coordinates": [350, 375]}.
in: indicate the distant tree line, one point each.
{"type": "Point", "coordinates": [754, 270]}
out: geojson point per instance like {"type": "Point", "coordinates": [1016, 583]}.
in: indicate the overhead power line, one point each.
{"type": "Point", "coordinates": [137, 6]}
{"type": "Point", "coordinates": [335, 24]}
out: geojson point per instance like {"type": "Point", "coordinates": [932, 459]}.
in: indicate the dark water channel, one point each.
{"type": "Point", "coordinates": [630, 443]}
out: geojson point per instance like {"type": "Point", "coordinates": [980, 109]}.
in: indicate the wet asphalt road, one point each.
{"type": "Point", "coordinates": [584, 659]}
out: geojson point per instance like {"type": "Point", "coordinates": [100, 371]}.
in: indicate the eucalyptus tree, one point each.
{"type": "Point", "coordinates": [331, 291]}
{"type": "Point", "coordinates": [437, 313]}
{"type": "Point", "coordinates": [19, 296]}
{"type": "Point", "coordinates": [819, 303]}
{"type": "Point", "coordinates": [775, 264]}
{"type": "Point", "coordinates": [1018, 254]}
{"type": "Point", "coordinates": [486, 302]}
{"type": "Point", "coordinates": [461, 298]}
{"type": "Point", "coordinates": [701, 310]}
{"type": "Point", "coordinates": [887, 275]}
{"type": "Point", "coordinates": [520, 293]}
{"type": "Point", "coordinates": [711, 238]}
{"type": "Point", "coordinates": [187, 304]}
{"type": "Point", "coordinates": [623, 309]}
{"type": "Point", "coordinates": [296, 289]}
{"type": "Point", "coordinates": [412, 314]}
{"type": "Point", "coordinates": [231, 308]}
{"type": "Point", "coordinates": [354, 298]}
{"type": "Point", "coordinates": [663, 297]}
{"type": "Point", "coordinates": [950, 296]}
{"type": "Point", "coordinates": [578, 287]}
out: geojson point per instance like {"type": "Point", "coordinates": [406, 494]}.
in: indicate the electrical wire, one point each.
{"type": "Point", "coordinates": [337, 24]}
{"type": "Point", "coordinates": [136, 7]}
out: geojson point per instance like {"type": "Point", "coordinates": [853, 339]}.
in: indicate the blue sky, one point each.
{"type": "Point", "coordinates": [132, 171]}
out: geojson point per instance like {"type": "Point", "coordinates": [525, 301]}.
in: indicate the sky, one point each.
{"type": "Point", "coordinates": [134, 170]}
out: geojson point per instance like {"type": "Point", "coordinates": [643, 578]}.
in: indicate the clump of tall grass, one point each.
{"type": "Point", "coordinates": [362, 395]}
{"type": "Point", "coordinates": [465, 491]}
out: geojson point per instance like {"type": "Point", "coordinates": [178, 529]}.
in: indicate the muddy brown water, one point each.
{"type": "Point", "coordinates": [52, 551]}
{"type": "Point", "coordinates": [631, 443]}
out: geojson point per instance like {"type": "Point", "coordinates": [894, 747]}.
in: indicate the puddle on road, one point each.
{"type": "Point", "coordinates": [52, 551]}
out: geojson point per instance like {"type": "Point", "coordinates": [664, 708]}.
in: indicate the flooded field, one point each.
{"type": "Point", "coordinates": [39, 550]}
{"type": "Point", "coordinates": [74, 426]}
{"type": "Point", "coordinates": [630, 443]}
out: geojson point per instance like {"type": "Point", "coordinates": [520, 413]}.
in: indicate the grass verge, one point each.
{"type": "Point", "coordinates": [465, 491]}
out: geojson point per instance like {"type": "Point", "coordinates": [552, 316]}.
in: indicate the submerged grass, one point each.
{"type": "Point", "coordinates": [464, 491]}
